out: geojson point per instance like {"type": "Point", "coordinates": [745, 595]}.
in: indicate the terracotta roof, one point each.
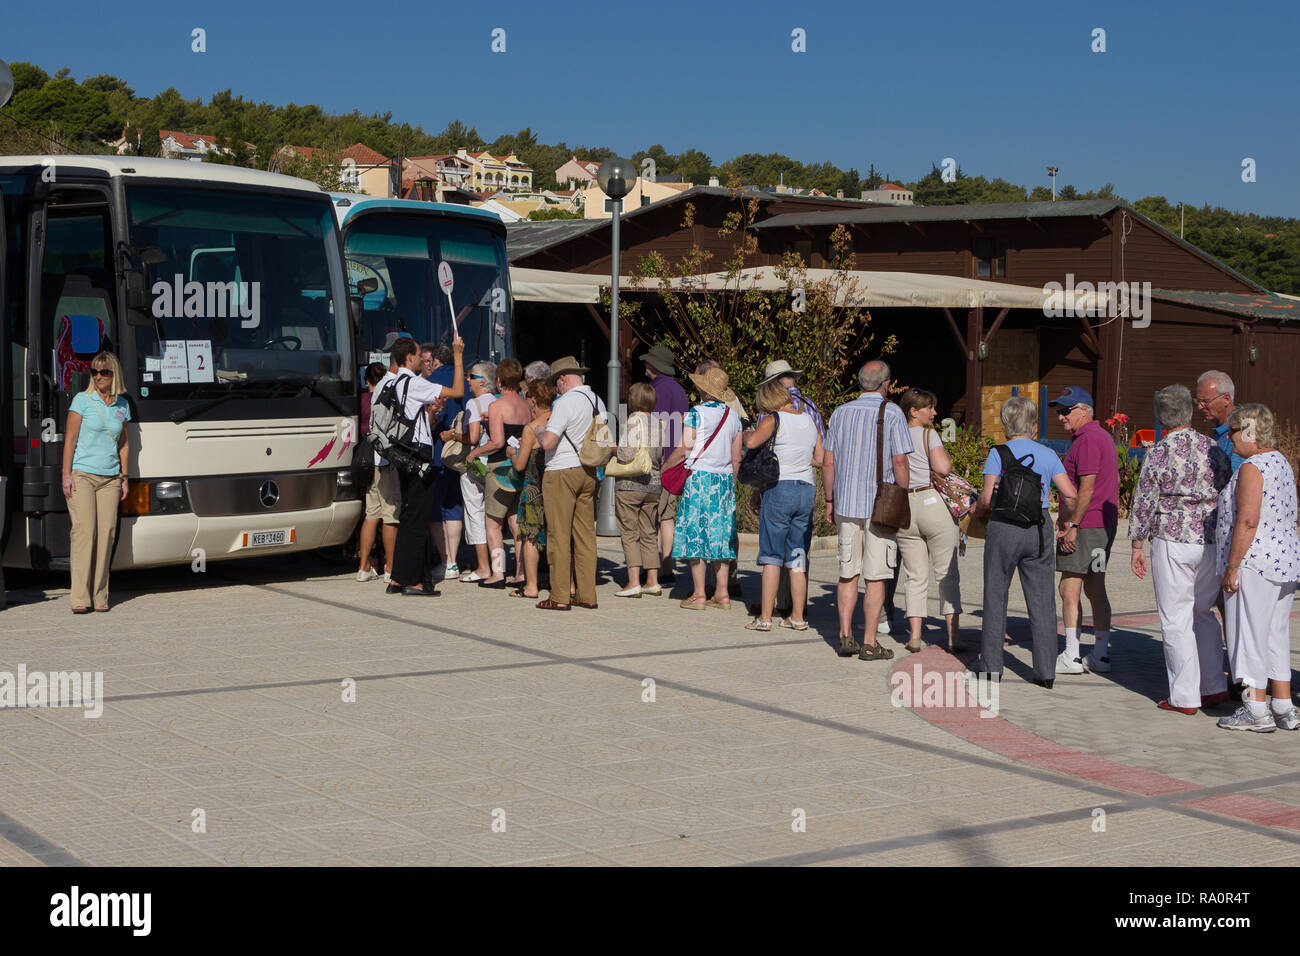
{"type": "Point", "coordinates": [306, 152]}
{"type": "Point", "coordinates": [891, 186]}
{"type": "Point", "coordinates": [363, 155]}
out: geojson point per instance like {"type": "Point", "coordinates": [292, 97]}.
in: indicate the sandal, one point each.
{"type": "Point", "coordinates": [793, 625]}
{"type": "Point", "coordinates": [848, 645]}
{"type": "Point", "coordinates": [758, 625]}
{"type": "Point", "coordinates": [720, 605]}
{"type": "Point", "coordinates": [549, 605]}
{"type": "Point", "coordinates": [694, 604]}
{"type": "Point", "coordinates": [874, 652]}
{"type": "Point", "coordinates": [472, 578]}
{"type": "Point", "coordinates": [519, 592]}
{"type": "Point", "coordinates": [914, 646]}
{"type": "Point", "coordinates": [81, 610]}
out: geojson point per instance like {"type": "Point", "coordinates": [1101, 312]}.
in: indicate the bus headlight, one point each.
{"type": "Point", "coordinates": [145, 497]}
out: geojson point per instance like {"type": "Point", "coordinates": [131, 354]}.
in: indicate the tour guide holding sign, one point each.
{"type": "Point", "coordinates": [411, 564]}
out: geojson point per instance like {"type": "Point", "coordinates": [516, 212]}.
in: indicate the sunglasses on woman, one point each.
{"type": "Point", "coordinates": [96, 372]}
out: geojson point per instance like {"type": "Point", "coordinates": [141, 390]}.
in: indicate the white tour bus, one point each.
{"type": "Point", "coordinates": [222, 292]}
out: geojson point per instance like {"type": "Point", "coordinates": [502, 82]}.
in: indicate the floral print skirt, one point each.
{"type": "Point", "coordinates": [706, 518]}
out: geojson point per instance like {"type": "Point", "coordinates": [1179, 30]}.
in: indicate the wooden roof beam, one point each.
{"type": "Point", "coordinates": [988, 336]}
{"type": "Point", "coordinates": [914, 226]}
{"type": "Point", "coordinates": [974, 224]}
{"type": "Point", "coordinates": [952, 324]}
{"type": "Point", "coordinates": [1036, 224]}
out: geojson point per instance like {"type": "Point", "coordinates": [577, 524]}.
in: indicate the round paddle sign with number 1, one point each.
{"type": "Point", "coordinates": [445, 282]}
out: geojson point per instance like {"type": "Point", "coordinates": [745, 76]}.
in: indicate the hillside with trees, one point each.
{"type": "Point", "coordinates": [57, 114]}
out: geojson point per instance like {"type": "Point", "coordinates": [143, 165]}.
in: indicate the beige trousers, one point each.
{"type": "Point", "coordinates": [569, 497]}
{"type": "Point", "coordinates": [636, 512]}
{"type": "Point", "coordinates": [928, 544]}
{"type": "Point", "coordinates": [93, 509]}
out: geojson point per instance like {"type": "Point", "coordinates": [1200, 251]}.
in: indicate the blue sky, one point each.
{"type": "Point", "coordinates": [1183, 93]}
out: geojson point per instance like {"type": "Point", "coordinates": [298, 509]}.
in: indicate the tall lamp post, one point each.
{"type": "Point", "coordinates": [1051, 172]}
{"type": "Point", "coordinates": [616, 177]}
{"type": "Point", "coordinates": [6, 91]}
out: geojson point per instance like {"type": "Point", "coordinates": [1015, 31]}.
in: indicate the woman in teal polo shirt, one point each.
{"type": "Point", "coordinates": [95, 450]}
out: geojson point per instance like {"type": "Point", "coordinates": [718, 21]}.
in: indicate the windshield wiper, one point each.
{"type": "Point", "coordinates": [184, 414]}
{"type": "Point", "coordinates": [312, 386]}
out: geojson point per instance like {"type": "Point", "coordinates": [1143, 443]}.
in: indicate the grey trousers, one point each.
{"type": "Point", "coordinates": [1008, 548]}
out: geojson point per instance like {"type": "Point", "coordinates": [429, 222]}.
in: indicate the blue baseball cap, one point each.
{"type": "Point", "coordinates": [1072, 395]}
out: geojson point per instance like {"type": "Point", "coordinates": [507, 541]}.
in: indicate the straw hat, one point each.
{"type": "Point", "coordinates": [714, 383]}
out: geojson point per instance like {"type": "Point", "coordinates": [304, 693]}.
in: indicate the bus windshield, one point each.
{"type": "Point", "coordinates": [249, 299]}
{"type": "Point", "coordinates": [403, 253]}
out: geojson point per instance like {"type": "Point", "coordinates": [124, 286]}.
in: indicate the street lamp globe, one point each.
{"type": "Point", "coordinates": [616, 177]}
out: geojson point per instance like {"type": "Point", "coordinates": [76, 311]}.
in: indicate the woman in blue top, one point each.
{"type": "Point", "coordinates": [1030, 550]}
{"type": "Point", "coordinates": [95, 450]}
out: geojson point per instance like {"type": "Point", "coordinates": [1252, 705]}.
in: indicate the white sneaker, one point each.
{"type": "Point", "coordinates": [1098, 665]}
{"type": "Point", "coordinates": [1068, 665]}
{"type": "Point", "coordinates": [652, 592]}
{"type": "Point", "coordinates": [453, 571]}
{"type": "Point", "coordinates": [883, 626]}
{"type": "Point", "coordinates": [629, 593]}
{"type": "Point", "coordinates": [388, 578]}
{"type": "Point", "coordinates": [369, 575]}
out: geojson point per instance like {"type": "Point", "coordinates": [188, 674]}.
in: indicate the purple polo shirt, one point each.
{"type": "Point", "coordinates": [671, 401]}
{"type": "Point", "coordinates": [1092, 452]}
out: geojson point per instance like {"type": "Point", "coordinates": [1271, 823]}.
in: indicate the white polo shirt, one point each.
{"type": "Point", "coordinates": [570, 418]}
{"type": "Point", "coordinates": [419, 393]}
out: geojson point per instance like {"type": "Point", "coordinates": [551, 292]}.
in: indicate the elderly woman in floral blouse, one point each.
{"type": "Point", "coordinates": [1259, 559]}
{"type": "Point", "coordinates": [1175, 507]}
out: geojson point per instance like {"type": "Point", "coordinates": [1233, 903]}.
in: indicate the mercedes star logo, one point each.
{"type": "Point", "coordinates": [269, 494]}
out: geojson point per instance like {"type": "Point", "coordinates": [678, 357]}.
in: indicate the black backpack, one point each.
{"type": "Point", "coordinates": [392, 433]}
{"type": "Point", "coordinates": [1018, 498]}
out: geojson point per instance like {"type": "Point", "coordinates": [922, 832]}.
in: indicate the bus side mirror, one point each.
{"type": "Point", "coordinates": [364, 288]}
{"type": "Point", "coordinates": [139, 310]}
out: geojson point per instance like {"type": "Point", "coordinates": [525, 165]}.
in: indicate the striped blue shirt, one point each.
{"type": "Point", "coordinates": [851, 438]}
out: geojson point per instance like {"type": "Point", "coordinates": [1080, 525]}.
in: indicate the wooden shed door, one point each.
{"type": "Point", "coordinates": [1012, 361]}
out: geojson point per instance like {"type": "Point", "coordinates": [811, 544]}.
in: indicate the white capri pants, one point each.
{"type": "Point", "coordinates": [472, 494]}
{"type": "Point", "coordinates": [1258, 619]}
{"type": "Point", "coordinates": [929, 543]}
{"type": "Point", "coordinates": [1186, 586]}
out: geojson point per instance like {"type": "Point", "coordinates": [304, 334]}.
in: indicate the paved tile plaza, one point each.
{"type": "Point", "coordinates": [479, 731]}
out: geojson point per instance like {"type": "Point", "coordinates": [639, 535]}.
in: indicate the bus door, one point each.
{"type": "Point", "coordinates": [71, 315]}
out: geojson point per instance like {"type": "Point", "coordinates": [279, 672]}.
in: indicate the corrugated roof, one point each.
{"type": "Point", "coordinates": [527, 237]}
{"type": "Point", "coordinates": [1254, 305]}
{"type": "Point", "coordinates": [890, 213]}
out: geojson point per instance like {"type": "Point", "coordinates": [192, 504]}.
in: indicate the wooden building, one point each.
{"type": "Point", "coordinates": [1200, 314]}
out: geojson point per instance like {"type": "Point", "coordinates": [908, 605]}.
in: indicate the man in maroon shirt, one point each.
{"type": "Point", "coordinates": [671, 406]}
{"type": "Point", "coordinates": [1083, 546]}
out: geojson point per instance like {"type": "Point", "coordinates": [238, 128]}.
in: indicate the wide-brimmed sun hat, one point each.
{"type": "Point", "coordinates": [661, 359]}
{"type": "Point", "coordinates": [714, 383]}
{"type": "Point", "coordinates": [778, 368]}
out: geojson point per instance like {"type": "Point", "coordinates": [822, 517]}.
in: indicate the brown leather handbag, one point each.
{"type": "Point", "coordinates": [892, 510]}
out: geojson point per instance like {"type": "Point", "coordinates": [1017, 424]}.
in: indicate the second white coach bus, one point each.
{"type": "Point", "coordinates": [222, 291]}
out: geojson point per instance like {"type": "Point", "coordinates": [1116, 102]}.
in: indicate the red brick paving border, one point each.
{"type": "Point", "coordinates": [1010, 740]}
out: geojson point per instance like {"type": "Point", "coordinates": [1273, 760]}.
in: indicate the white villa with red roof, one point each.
{"type": "Point", "coordinates": [889, 193]}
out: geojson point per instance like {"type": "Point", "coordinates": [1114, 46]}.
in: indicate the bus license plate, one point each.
{"type": "Point", "coordinates": [263, 539]}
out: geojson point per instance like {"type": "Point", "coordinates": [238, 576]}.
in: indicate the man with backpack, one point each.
{"type": "Point", "coordinates": [1093, 467]}
{"type": "Point", "coordinates": [399, 426]}
{"type": "Point", "coordinates": [1018, 476]}
{"type": "Point", "coordinates": [569, 486]}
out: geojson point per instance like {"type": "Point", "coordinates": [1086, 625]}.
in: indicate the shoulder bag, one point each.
{"type": "Point", "coordinates": [759, 469]}
{"type": "Point", "coordinates": [638, 467]}
{"type": "Point", "coordinates": [453, 451]}
{"type": "Point", "coordinates": [891, 510]}
{"type": "Point", "coordinates": [674, 478]}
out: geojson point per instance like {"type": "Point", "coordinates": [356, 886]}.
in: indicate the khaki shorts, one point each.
{"type": "Point", "coordinates": [866, 550]}
{"type": "Point", "coordinates": [384, 497]}
{"type": "Point", "coordinates": [667, 506]}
